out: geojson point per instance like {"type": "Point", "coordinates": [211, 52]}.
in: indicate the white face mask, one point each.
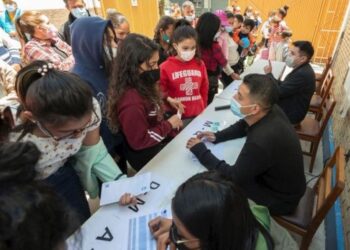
{"type": "Point", "coordinates": [79, 12]}
{"type": "Point", "coordinates": [187, 55]}
{"type": "Point", "coordinates": [190, 18]}
{"type": "Point", "coordinates": [10, 7]}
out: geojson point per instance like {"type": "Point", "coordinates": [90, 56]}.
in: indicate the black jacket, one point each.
{"type": "Point", "coordinates": [269, 168]}
{"type": "Point", "coordinates": [296, 91]}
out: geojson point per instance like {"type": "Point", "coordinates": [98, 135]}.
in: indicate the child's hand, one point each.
{"type": "Point", "coordinates": [176, 104]}
{"type": "Point", "coordinates": [175, 122]}
{"type": "Point", "coordinates": [159, 225]}
{"type": "Point", "coordinates": [127, 199]}
{"type": "Point", "coordinates": [235, 76]}
{"type": "Point", "coordinates": [268, 68]}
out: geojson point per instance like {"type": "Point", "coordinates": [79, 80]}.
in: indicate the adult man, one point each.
{"type": "Point", "coordinates": [76, 10]}
{"type": "Point", "coordinates": [297, 88]}
{"type": "Point", "coordinates": [269, 167]}
{"type": "Point", "coordinates": [188, 12]}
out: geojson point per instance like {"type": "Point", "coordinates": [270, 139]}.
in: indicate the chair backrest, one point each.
{"type": "Point", "coordinates": [326, 68]}
{"type": "Point", "coordinates": [326, 191]}
{"type": "Point", "coordinates": [327, 111]}
{"type": "Point", "coordinates": [327, 84]}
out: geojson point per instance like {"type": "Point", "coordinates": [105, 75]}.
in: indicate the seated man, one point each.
{"type": "Point", "coordinates": [298, 87]}
{"type": "Point", "coordinates": [269, 168]}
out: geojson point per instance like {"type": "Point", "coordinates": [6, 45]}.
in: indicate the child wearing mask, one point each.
{"type": "Point", "coordinates": [162, 36]}
{"type": "Point", "coordinates": [275, 37]}
{"type": "Point", "coordinates": [184, 77]}
{"type": "Point", "coordinates": [242, 38]}
{"type": "Point", "coordinates": [135, 103]}
{"type": "Point", "coordinates": [229, 47]}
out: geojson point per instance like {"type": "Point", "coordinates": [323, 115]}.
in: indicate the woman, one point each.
{"type": "Point", "coordinates": [60, 116]}
{"type": "Point", "coordinates": [162, 36]}
{"type": "Point", "coordinates": [211, 213]}
{"type": "Point", "coordinates": [135, 104]}
{"type": "Point", "coordinates": [40, 41]}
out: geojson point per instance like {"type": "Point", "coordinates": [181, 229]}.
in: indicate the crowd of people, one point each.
{"type": "Point", "coordinates": [80, 102]}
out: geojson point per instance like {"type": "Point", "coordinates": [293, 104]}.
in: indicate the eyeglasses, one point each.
{"type": "Point", "coordinates": [178, 242]}
{"type": "Point", "coordinates": [74, 133]}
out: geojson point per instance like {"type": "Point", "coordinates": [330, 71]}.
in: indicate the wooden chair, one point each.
{"type": "Point", "coordinates": [320, 77]}
{"type": "Point", "coordinates": [311, 129]}
{"type": "Point", "coordinates": [317, 201]}
{"type": "Point", "coordinates": [317, 101]}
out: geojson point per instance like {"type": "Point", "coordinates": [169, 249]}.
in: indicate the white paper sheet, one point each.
{"type": "Point", "coordinates": [140, 237]}
{"type": "Point", "coordinates": [112, 191]}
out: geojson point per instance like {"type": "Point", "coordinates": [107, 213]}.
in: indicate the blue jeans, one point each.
{"type": "Point", "coordinates": [66, 183]}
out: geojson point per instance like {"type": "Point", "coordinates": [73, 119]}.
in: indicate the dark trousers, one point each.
{"type": "Point", "coordinates": [213, 87]}
{"type": "Point", "coordinates": [65, 182]}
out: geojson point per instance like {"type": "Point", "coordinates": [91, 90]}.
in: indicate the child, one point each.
{"type": "Point", "coordinates": [135, 105]}
{"type": "Point", "coordinates": [184, 76]}
{"type": "Point", "coordinates": [237, 22]}
{"type": "Point", "coordinates": [276, 30]}
{"type": "Point", "coordinates": [283, 46]}
{"type": "Point", "coordinates": [162, 36]}
{"type": "Point", "coordinates": [209, 29]}
{"type": "Point", "coordinates": [227, 44]}
{"type": "Point", "coordinates": [242, 38]}
{"type": "Point", "coordinates": [60, 116]}
{"type": "Point", "coordinates": [29, 210]}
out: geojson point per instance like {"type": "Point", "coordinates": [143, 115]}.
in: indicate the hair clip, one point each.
{"type": "Point", "coordinates": [45, 68]}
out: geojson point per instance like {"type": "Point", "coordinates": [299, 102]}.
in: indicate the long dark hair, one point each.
{"type": "Point", "coordinates": [163, 24]}
{"type": "Point", "coordinates": [207, 26]}
{"type": "Point", "coordinates": [53, 97]}
{"type": "Point", "coordinates": [132, 52]}
{"type": "Point", "coordinates": [31, 215]}
{"type": "Point", "coordinates": [214, 210]}
{"type": "Point", "coordinates": [107, 41]}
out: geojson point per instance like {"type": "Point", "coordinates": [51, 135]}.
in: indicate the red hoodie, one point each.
{"type": "Point", "coordinates": [139, 121]}
{"type": "Point", "coordinates": [186, 82]}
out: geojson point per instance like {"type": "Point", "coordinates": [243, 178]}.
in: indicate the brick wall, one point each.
{"type": "Point", "coordinates": [341, 126]}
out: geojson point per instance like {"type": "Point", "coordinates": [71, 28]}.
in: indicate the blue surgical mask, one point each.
{"type": "Point", "coordinates": [236, 108]}
{"type": "Point", "coordinates": [10, 7]}
{"type": "Point", "coordinates": [79, 12]}
{"type": "Point", "coordinates": [228, 29]}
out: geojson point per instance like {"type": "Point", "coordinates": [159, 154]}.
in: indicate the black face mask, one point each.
{"type": "Point", "coordinates": [150, 76]}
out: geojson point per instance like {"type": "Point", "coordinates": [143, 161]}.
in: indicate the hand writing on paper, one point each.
{"type": "Point", "coordinates": [192, 142]}
{"type": "Point", "coordinates": [159, 225]}
{"type": "Point", "coordinates": [127, 199]}
{"type": "Point", "coordinates": [176, 104]}
{"type": "Point", "coordinates": [235, 76]}
{"type": "Point", "coordinates": [163, 242]}
{"type": "Point", "coordinates": [268, 68]}
{"type": "Point", "coordinates": [210, 136]}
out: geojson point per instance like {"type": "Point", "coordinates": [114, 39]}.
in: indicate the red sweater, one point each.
{"type": "Point", "coordinates": [186, 82]}
{"type": "Point", "coordinates": [139, 121]}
